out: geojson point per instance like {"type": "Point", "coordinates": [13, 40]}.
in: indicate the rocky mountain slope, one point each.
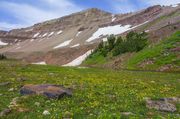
{"type": "Point", "coordinates": [68, 40]}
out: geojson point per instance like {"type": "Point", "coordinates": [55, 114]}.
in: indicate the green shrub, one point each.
{"type": "Point", "coordinates": [133, 42]}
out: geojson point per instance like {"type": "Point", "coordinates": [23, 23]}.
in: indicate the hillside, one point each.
{"type": "Point", "coordinates": [73, 36]}
{"type": "Point", "coordinates": [161, 56]}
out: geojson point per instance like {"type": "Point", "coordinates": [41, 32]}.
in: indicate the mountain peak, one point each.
{"type": "Point", "coordinates": [95, 10]}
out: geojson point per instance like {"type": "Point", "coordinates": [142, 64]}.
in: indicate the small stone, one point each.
{"type": "Point", "coordinates": [127, 113]}
{"type": "Point", "coordinates": [21, 79]}
{"type": "Point", "coordinates": [51, 74]}
{"type": "Point", "coordinates": [5, 112]}
{"type": "Point", "coordinates": [46, 112]}
{"type": "Point", "coordinates": [20, 109]}
{"type": "Point", "coordinates": [11, 89]}
{"type": "Point", "coordinates": [4, 84]}
{"type": "Point", "coordinates": [37, 104]}
{"type": "Point", "coordinates": [68, 115]}
{"type": "Point", "coordinates": [1, 94]}
{"type": "Point", "coordinates": [152, 81]}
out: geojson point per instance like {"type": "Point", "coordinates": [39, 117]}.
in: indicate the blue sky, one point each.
{"type": "Point", "coordinates": [23, 13]}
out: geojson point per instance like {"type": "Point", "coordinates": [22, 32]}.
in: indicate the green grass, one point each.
{"type": "Point", "coordinates": [95, 59]}
{"type": "Point", "coordinates": [157, 53]}
{"type": "Point", "coordinates": [97, 93]}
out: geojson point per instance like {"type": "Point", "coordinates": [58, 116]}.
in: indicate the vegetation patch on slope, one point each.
{"type": "Point", "coordinates": [115, 46]}
{"type": "Point", "coordinates": [164, 53]}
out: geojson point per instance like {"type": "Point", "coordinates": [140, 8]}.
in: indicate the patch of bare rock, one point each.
{"type": "Point", "coordinates": [47, 90]}
{"type": "Point", "coordinates": [164, 104]}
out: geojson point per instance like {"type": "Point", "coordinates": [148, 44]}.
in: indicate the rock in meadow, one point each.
{"type": "Point", "coordinates": [46, 112]}
{"type": "Point", "coordinates": [126, 113]}
{"type": "Point", "coordinates": [48, 90]}
{"type": "Point", "coordinates": [4, 83]}
{"type": "Point", "coordinates": [161, 105]}
{"type": "Point", "coordinates": [11, 89]}
{"type": "Point", "coordinates": [5, 112]}
{"type": "Point", "coordinates": [37, 104]}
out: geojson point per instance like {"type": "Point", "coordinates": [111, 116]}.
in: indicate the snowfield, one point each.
{"type": "Point", "coordinates": [63, 44]}
{"type": "Point", "coordinates": [40, 63]}
{"type": "Point", "coordinates": [2, 43]}
{"type": "Point", "coordinates": [75, 45]}
{"type": "Point", "coordinates": [117, 29]}
{"type": "Point", "coordinates": [79, 60]}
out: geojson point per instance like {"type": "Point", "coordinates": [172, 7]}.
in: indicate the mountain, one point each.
{"type": "Point", "coordinates": [70, 39]}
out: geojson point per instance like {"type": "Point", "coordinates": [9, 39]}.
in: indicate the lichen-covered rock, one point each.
{"type": "Point", "coordinates": [48, 90]}
{"type": "Point", "coordinates": [5, 112]}
{"type": "Point", "coordinates": [5, 83]}
{"type": "Point", "coordinates": [161, 105]}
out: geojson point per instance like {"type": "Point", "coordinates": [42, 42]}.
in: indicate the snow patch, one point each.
{"type": "Point", "coordinates": [79, 60]}
{"type": "Point", "coordinates": [2, 43]}
{"type": "Point", "coordinates": [75, 45]}
{"type": "Point", "coordinates": [44, 34]}
{"type": "Point", "coordinates": [175, 5]}
{"type": "Point", "coordinates": [18, 48]}
{"type": "Point", "coordinates": [51, 34]}
{"type": "Point", "coordinates": [113, 18]}
{"type": "Point", "coordinates": [117, 29]}
{"type": "Point", "coordinates": [147, 31]}
{"type": "Point", "coordinates": [63, 44]}
{"type": "Point", "coordinates": [16, 40]}
{"type": "Point", "coordinates": [40, 63]}
{"type": "Point", "coordinates": [29, 30]}
{"type": "Point", "coordinates": [78, 33]}
{"type": "Point", "coordinates": [31, 40]}
{"type": "Point", "coordinates": [59, 32]}
{"type": "Point", "coordinates": [35, 35]}
{"type": "Point", "coordinates": [104, 39]}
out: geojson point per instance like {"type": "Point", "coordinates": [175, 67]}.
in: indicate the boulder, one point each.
{"type": "Point", "coordinates": [5, 112]}
{"type": "Point", "coordinates": [48, 90]}
{"type": "Point", "coordinates": [5, 83]}
{"type": "Point", "coordinates": [161, 105]}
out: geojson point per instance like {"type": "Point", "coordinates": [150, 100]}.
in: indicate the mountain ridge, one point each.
{"type": "Point", "coordinates": [75, 31]}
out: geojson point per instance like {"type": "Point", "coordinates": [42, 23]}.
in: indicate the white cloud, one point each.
{"type": "Point", "coordinates": [28, 14]}
{"type": "Point", "coordinates": [124, 6]}
{"type": "Point", "coordinates": [161, 2]}
{"type": "Point", "coordinates": [8, 26]}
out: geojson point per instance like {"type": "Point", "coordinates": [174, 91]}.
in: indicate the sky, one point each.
{"type": "Point", "coordinates": [23, 13]}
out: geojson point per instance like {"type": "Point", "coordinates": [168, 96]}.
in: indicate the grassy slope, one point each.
{"type": "Point", "coordinates": [96, 93]}
{"type": "Point", "coordinates": [160, 53]}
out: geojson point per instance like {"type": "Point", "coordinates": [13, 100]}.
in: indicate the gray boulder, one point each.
{"type": "Point", "coordinates": [48, 90]}
{"type": "Point", "coordinates": [161, 105]}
